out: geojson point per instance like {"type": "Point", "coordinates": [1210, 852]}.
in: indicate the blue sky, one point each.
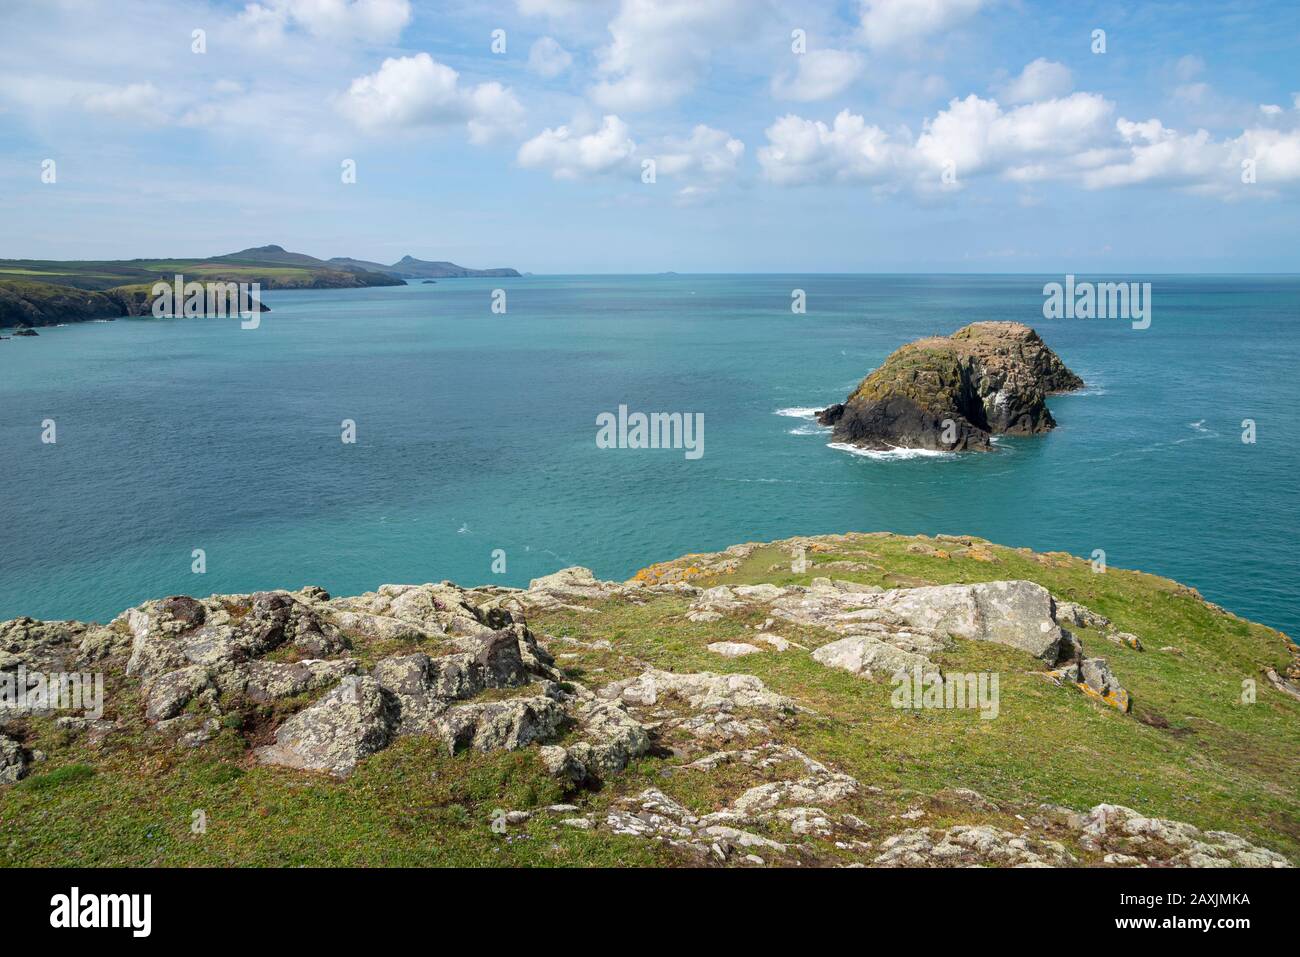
{"type": "Point", "coordinates": [904, 135]}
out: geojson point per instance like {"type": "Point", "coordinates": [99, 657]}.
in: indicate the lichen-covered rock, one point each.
{"type": "Point", "coordinates": [1072, 613]}
{"type": "Point", "coordinates": [502, 725]}
{"type": "Point", "coordinates": [425, 687]}
{"type": "Point", "coordinates": [610, 739]}
{"type": "Point", "coordinates": [1121, 829]}
{"type": "Point", "coordinates": [266, 681]}
{"type": "Point", "coordinates": [869, 656]}
{"type": "Point", "coordinates": [13, 762]}
{"type": "Point", "coordinates": [417, 612]}
{"type": "Point", "coordinates": [179, 631]}
{"type": "Point", "coordinates": [701, 691]}
{"type": "Point", "coordinates": [970, 845]}
{"type": "Point", "coordinates": [734, 649]}
{"type": "Point", "coordinates": [41, 645]}
{"type": "Point", "coordinates": [561, 589]}
{"type": "Point", "coordinates": [953, 393]}
{"type": "Point", "coordinates": [167, 695]}
{"type": "Point", "coordinates": [1098, 682]}
{"type": "Point", "coordinates": [351, 722]}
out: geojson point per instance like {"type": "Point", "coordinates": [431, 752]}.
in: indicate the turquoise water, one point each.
{"type": "Point", "coordinates": [477, 431]}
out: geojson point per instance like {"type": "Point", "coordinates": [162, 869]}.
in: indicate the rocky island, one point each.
{"type": "Point", "coordinates": [737, 708]}
{"type": "Point", "coordinates": [954, 393]}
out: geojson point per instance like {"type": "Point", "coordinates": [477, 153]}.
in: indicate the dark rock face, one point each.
{"type": "Point", "coordinates": [954, 393]}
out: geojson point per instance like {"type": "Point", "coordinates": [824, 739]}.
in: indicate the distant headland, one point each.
{"type": "Point", "coordinates": [36, 292]}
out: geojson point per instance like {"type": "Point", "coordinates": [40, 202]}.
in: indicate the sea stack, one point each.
{"type": "Point", "coordinates": [953, 393]}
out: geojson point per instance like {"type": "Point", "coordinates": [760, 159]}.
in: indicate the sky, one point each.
{"type": "Point", "coordinates": [634, 136]}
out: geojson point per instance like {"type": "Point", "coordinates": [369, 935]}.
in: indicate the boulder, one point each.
{"type": "Point", "coordinates": [1072, 613]}
{"type": "Point", "coordinates": [869, 656]}
{"type": "Point", "coordinates": [1015, 613]}
{"type": "Point", "coordinates": [734, 649]}
{"type": "Point", "coordinates": [611, 739]}
{"type": "Point", "coordinates": [268, 681]}
{"type": "Point", "coordinates": [13, 761]}
{"type": "Point", "coordinates": [701, 691]}
{"type": "Point", "coordinates": [349, 723]}
{"type": "Point", "coordinates": [502, 725]}
{"type": "Point", "coordinates": [1098, 682]}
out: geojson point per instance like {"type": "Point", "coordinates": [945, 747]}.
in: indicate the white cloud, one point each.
{"type": "Point", "coordinates": [806, 151]}
{"type": "Point", "coordinates": [548, 59]}
{"type": "Point", "coordinates": [888, 23]}
{"type": "Point", "coordinates": [978, 136]}
{"type": "Point", "coordinates": [135, 101]}
{"type": "Point", "coordinates": [418, 91]}
{"type": "Point", "coordinates": [1041, 80]}
{"type": "Point", "coordinates": [1156, 154]}
{"type": "Point", "coordinates": [818, 75]}
{"type": "Point", "coordinates": [971, 137]}
{"type": "Point", "coordinates": [696, 166]}
{"type": "Point", "coordinates": [570, 153]}
{"type": "Point", "coordinates": [1071, 139]}
{"type": "Point", "coordinates": [661, 48]}
{"type": "Point", "coordinates": [376, 21]}
{"type": "Point", "coordinates": [551, 8]}
{"type": "Point", "coordinates": [713, 154]}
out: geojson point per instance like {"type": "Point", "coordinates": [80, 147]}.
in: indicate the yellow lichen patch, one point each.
{"type": "Point", "coordinates": [1118, 700]}
{"type": "Point", "coordinates": [667, 572]}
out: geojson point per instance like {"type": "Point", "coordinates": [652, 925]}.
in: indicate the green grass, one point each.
{"type": "Point", "coordinates": [1220, 764]}
{"type": "Point", "coordinates": [1190, 751]}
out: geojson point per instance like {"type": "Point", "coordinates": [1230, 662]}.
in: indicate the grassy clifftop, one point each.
{"type": "Point", "coordinates": [799, 763]}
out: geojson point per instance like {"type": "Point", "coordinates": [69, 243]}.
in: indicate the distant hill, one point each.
{"type": "Point", "coordinates": [408, 267]}
{"type": "Point", "coordinates": [271, 254]}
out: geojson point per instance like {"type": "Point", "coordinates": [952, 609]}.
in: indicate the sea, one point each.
{"type": "Point", "coordinates": [194, 456]}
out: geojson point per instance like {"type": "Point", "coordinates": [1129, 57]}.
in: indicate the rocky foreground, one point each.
{"type": "Point", "coordinates": [954, 393]}
{"type": "Point", "coordinates": [318, 687]}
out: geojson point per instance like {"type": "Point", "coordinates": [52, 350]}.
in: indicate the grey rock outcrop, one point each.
{"type": "Point", "coordinates": [351, 722]}
{"type": "Point", "coordinates": [13, 762]}
{"type": "Point", "coordinates": [502, 725]}
{"type": "Point", "coordinates": [866, 655]}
